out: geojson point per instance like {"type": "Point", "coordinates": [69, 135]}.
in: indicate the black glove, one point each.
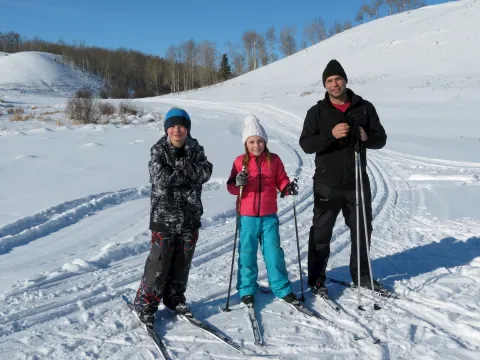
{"type": "Point", "coordinates": [291, 188]}
{"type": "Point", "coordinates": [241, 179]}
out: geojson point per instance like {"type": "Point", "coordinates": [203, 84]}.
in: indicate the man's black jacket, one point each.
{"type": "Point", "coordinates": [335, 159]}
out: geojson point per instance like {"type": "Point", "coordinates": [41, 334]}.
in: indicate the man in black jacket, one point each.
{"type": "Point", "coordinates": [334, 129]}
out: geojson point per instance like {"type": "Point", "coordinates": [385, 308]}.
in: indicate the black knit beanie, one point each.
{"type": "Point", "coordinates": [333, 68]}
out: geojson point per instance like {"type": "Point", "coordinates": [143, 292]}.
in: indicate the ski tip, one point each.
{"type": "Point", "coordinates": [377, 307]}
{"type": "Point", "coordinates": [376, 341]}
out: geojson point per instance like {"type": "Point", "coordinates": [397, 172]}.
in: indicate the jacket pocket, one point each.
{"type": "Point", "coordinates": [326, 192]}
{"type": "Point", "coordinates": [320, 165]}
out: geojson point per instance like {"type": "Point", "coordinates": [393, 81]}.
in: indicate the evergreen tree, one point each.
{"type": "Point", "coordinates": [225, 72]}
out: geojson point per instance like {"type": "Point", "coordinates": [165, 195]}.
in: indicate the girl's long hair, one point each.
{"type": "Point", "coordinates": [246, 159]}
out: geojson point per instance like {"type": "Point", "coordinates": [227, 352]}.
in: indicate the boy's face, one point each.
{"type": "Point", "coordinates": [256, 145]}
{"type": "Point", "coordinates": [177, 134]}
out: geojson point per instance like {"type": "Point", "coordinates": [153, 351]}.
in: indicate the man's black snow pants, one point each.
{"type": "Point", "coordinates": [166, 270]}
{"type": "Point", "coordinates": [328, 201]}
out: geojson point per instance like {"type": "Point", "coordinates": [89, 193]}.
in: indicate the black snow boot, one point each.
{"type": "Point", "coordinates": [320, 290]}
{"type": "Point", "coordinates": [366, 283]}
{"type": "Point", "coordinates": [183, 309]}
{"type": "Point", "coordinates": [147, 316]}
{"type": "Point", "coordinates": [290, 298]}
{"type": "Point", "coordinates": [247, 299]}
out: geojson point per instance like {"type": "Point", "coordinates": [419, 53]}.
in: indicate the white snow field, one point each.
{"type": "Point", "coordinates": [74, 207]}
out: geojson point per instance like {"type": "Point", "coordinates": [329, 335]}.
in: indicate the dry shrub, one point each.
{"type": "Point", "coordinates": [16, 110]}
{"type": "Point", "coordinates": [50, 112]}
{"type": "Point", "coordinates": [127, 108]}
{"type": "Point", "coordinates": [106, 108]}
{"type": "Point", "coordinates": [83, 108]}
{"type": "Point", "coordinates": [20, 117]}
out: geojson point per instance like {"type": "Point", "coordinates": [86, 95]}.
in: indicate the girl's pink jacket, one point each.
{"type": "Point", "coordinates": [259, 196]}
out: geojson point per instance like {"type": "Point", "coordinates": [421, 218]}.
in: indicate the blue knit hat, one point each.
{"type": "Point", "coordinates": [177, 116]}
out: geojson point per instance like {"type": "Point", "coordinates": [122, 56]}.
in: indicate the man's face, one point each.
{"type": "Point", "coordinates": [336, 86]}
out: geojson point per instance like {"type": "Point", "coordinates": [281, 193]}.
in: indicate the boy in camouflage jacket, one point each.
{"type": "Point", "coordinates": [178, 169]}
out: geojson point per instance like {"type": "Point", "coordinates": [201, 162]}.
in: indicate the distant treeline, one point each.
{"type": "Point", "coordinates": [191, 65]}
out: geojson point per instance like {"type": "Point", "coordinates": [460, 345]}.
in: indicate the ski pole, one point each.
{"type": "Point", "coordinates": [357, 206]}
{"type": "Point", "coordinates": [239, 202]}
{"type": "Point", "coordinates": [298, 244]}
{"type": "Point", "coordinates": [375, 304]}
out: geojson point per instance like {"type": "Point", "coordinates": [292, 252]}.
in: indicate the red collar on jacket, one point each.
{"type": "Point", "coordinates": [253, 157]}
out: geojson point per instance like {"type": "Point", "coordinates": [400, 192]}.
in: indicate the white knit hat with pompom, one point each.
{"type": "Point", "coordinates": [252, 127]}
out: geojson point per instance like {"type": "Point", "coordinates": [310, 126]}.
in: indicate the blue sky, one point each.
{"type": "Point", "coordinates": [151, 26]}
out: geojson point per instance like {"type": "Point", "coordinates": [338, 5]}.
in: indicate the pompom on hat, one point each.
{"type": "Point", "coordinates": [252, 127]}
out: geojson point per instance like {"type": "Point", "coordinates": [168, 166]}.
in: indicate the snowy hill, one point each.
{"type": "Point", "coordinates": [74, 210]}
{"type": "Point", "coordinates": [428, 57]}
{"type": "Point", "coordinates": [37, 72]}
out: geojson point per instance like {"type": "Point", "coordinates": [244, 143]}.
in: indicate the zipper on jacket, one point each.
{"type": "Point", "coordinates": [346, 153]}
{"type": "Point", "coordinates": [259, 164]}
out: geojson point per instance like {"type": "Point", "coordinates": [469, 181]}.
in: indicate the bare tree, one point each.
{"type": "Point", "coordinates": [359, 16]}
{"type": "Point", "coordinates": [376, 5]}
{"type": "Point", "coordinates": [320, 29]}
{"type": "Point", "coordinates": [309, 33]}
{"type": "Point", "coordinates": [172, 62]}
{"type": "Point", "coordinates": [208, 60]}
{"type": "Point", "coordinates": [271, 38]}
{"type": "Point", "coordinates": [336, 28]}
{"type": "Point", "coordinates": [261, 49]}
{"type": "Point", "coordinates": [390, 4]}
{"type": "Point", "coordinates": [368, 10]}
{"type": "Point", "coordinates": [249, 39]}
{"type": "Point", "coordinates": [10, 42]}
{"type": "Point", "coordinates": [287, 41]}
{"type": "Point", "coordinates": [154, 74]}
{"type": "Point", "coordinates": [238, 60]}
{"type": "Point", "coordinates": [347, 25]}
{"type": "Point", "coordinates": [399, 5]}
{"type": "Point", "coordinates": [315, 31]}
{"type": "Point", "coordinates": [189, 54]}
{"type": "Point", "coordinates": [412, 4]}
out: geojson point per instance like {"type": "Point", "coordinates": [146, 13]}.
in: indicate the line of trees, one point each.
{"type": "Point", "coordinates": [190, 65]}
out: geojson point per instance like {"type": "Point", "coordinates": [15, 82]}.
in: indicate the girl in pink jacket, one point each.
{"type": "Point", "coordinates": [264, 174]}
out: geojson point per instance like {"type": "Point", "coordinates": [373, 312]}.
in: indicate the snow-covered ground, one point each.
{"type": "Point", "coordinates": [74, 207]}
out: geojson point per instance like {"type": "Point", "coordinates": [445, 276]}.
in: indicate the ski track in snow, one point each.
{"type": "Point", "coordinates": [84, 297]}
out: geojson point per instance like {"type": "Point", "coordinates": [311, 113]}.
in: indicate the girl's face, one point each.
{"type": "Point", "coordinates": [256, 145]}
